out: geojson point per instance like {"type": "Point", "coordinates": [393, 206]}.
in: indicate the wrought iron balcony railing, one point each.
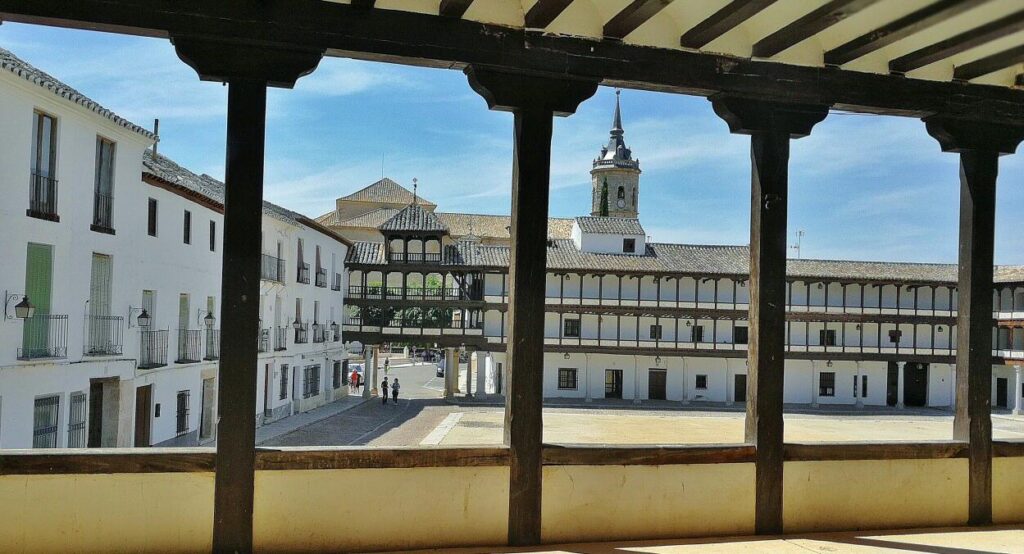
{"type": "Point", "coordinates": [319, 333]}
{"type": "Point", "coordinates": [264, 340]}
{"type": "Point", "coordinates": [414, 257]}
{"type": "Point", "coordinates": [212, 344]}
{"type": "Point", "coordinates": [152, 349]}
{"type": "Point", "coordinates": [302, 334]}
{"type": "Point", "coordinates": [280, 339]}
{"type": "Point", "coordinates": [412, 293]}
{"type": "Point", "coordinates": [44, 336]}
{"type": "Point", "coordinates": [103, 335]}
{"type": "Point", "coordinates": [303, 273]}
{"type": "Point", "coordinates": [102, 212]}
{"type": "Point", "coordinates": [42, 197]}
{"type": "Point", "coordinates": [272, 268]}
{"type": "Point", "coordinates": [189, 346]}
{"type": "Point", "coordinates": [321, 278]}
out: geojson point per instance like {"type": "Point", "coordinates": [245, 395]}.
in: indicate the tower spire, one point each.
{"type": "Point", "coordinates": [617, 122]}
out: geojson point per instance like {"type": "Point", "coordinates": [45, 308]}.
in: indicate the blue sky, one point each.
{"type": "Point", "coordinates": [861, 187]}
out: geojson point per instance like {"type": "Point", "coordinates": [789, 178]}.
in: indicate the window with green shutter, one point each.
{"type": "Point", "coordinates": [38, 289]}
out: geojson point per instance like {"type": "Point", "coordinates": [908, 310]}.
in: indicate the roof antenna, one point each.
{"type": "Point", "coordinates": [156, 131]}
{"type": "Point", "coordinates": [414, 185]}
{"type": "Point", "coordinates": [799, 239]}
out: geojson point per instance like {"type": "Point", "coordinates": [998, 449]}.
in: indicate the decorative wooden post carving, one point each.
{"type": "Point", "coordinates": [247, 70]}
{"type": "Point", "coordinates": [533, 100]}
{"type": "Point", "coordinates": [979, 146]}
{"type": "Point", "coordinates": [770, 126]}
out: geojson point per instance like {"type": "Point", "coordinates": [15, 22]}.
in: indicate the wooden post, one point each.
{"type": "Point", "coordinates": [770, 127]}
{"type": "Point", "coordinates": [979, 146]}
{"type": "Point", "coordinates": [247, 71]}
{"type": "Point", "coordinates": [533, 101]}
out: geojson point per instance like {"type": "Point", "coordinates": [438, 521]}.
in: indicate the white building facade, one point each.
{"type": "Point", "coordinates": [118, 252]}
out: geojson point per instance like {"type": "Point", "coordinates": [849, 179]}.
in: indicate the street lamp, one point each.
{"type": "Point", "coordinates": [22, 310]}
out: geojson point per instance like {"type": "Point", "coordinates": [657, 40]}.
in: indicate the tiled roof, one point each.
{"type": "Point", "coordinates": [169, 171]}
{"type": "Point", "coordinates": [414, 217]}
{"type": "Point", "coordinates": [386, 191]}
{"type": "Point", "coordinates": [661, 258]}
{"type": "Point", "coordinates": [27, 71]}
{"type": "Point", "coordinates": [329, 218]}
{"type": "Point", "coordinates": [496, 226]}
{"type": "Point", "coordinates": [373, 219]}
{"type": "Point", "coordinates": [610, 225]}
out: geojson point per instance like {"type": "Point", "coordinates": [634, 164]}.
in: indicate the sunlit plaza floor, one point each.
{"type": "Point", "coordinates": [931, 541]}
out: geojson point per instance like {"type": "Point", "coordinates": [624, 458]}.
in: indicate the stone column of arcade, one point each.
{"type": "Point", "coordinates": [451, 367]}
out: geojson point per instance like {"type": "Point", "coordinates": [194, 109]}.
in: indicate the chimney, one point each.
{"type": "Point", "coordinates": [156, 131]}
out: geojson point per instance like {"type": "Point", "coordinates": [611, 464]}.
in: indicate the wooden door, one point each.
{"type": "Point", "coordinates": [740, 388]}
{"type": "Point", "coordinates": [143, 415]}
{"type": "Point", "coordinates": [613, 383]}
{"type": "Point", "coordinates": [656, 379]}
{"type": "Point", "coordinates": [1001, 392]}
{"type": "Point", "coordinates": [95, 414]}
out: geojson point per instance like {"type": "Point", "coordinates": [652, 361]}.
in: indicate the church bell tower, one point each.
{"type": "Point", "coordinates": [615, 177]}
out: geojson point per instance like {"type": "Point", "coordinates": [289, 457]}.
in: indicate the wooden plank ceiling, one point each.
{"type": "Point", "coordinates": [980, 41]}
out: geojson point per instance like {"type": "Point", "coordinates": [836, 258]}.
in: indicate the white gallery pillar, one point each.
{"type": "Point", "coordinates": [899, 385]}
{"type": "Point", "coordinates": [1018, 401]}
{"type": "Point", "coordinates": [482, 361]}
{"type": "Point", "coordinates": [367, 364]}
{"type": "Point", "coordinates": [814, 385]}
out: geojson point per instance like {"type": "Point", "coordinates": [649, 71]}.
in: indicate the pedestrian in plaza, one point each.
{"type": "Point", "coordinates": [355, 381]}
{"type": "Point", "coordinates": [394, 390]}
{"type": "Point", "coordinates": [384, 391]}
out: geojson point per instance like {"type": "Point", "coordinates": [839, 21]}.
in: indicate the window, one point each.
{"type": "Point", "coordinates": [572, 328]}
{"type": "Point", "coordinates": [152, 217]}
{"type": "Point", "coordinates": [181, 414]}
{"type": "Point", "coordinates": [213, 236]}
{"type": "Point", "coordinates": [740, 335]}
{"type": "Point", "coordinates": [76, 421]}
{"type": "Point", "coordinates": [895, 336]}
{"type": "Point", "coordinates": [284, 382]}
{"type": "Point", "coordinates": [702, 382]}
{"type": "Point", "coordinates": [187, 227]}
{"type": "Point", "coordinates": [621, 194]}
{"type": "Point", "coordinates": [827, 337]}
{"type": "Point", "coordinates": [827, 383]}
{"type": "Point", "coordinates": [656, 332]}
{"type": "Point", "coordinates": [337, 376]}
{"type": "Point", "coordinates": [567, 379]}
{"type": "Point", "coordinates": [698, 333]}
{"type": "Point", "coordinates": [629, 245]}
{"type": "Point", "coordinates": [311, 386]}
{"type": "Point", "coordinates": [863, 386]}
{"type": "Point", "coordinates": [103, 199]}
{"type": "Point", "coordinates": [44, 422]}
{"type": "Point", "coordinates": [42, 201]}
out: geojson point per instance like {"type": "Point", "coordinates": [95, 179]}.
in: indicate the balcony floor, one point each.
{"type": "Point", "coordinates": [1009, 539]}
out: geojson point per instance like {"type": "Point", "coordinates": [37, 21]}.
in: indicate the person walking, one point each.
{"type": "Point", "coordinates": [395, 387]}
{"type": "Point", "coordinates": [384, 391]}
{"type": "Point", "coordinates": [353, 381]}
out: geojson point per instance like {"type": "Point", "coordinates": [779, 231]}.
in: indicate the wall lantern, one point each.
{"type": "Point", "coordinates": [143, 320]}
{"type": "Point", "coordinates": [820, 286]}
{"type": "Point", "coordinates": [657, 360]}
{"type": "Point", "coordinates": [687, 323]}
{"type": "Point", "coordinates": [566, 356]}
{"type": "Point", "coordinates": [334, 326]}
{"type": "Point", "coordinates": [940, 328]}
{"type": "Point", "coordinates": [858, 327]}
{"type": "Point", "coordinates": [209, 320]}
{"type": "Point", "coordinates": [828, 363]}
{"type": "Point", "coordinates": [22, 310]}
{"type": "Point", "coordinates": [296, 324]}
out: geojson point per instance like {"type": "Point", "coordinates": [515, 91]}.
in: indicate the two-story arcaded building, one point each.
{"type": "Point", "coordinates": [113, 255]}
{"type": "Point", "coordinates": [631, 318]}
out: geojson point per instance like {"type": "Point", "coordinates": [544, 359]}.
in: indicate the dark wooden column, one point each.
{"type": "Point", "coordinates": [533, 101]}
{"type": "Point", "coordinates": [979, 146]}
{"type": "Point", "coordinates": [247, 71]}
{"type": "Point", "coordinates": [770, 126]}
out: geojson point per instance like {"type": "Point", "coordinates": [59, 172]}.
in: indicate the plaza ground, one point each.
{"type": "Point", "coordinates": [423, 418]}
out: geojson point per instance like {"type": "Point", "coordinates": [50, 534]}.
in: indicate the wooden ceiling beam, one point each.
{"type": "Point", "coordinates": [989, 64]}
{"type": "Point", "coordinates": [544, 12]}
{"type": "Point", "coordinates": [454, 8]}
{"type": "Point", "coordinates": [425, 40]}
{"type": "Point", "coordinates": [899, 29]}
{"type": "Point", "coordinates": [724, 20]}
{"type": "Point", "coordinates": [632, 16]}
{"type": "Point", "coordinates": [960, 43]}
{"type": "Point", "coordinates": [808, 26]}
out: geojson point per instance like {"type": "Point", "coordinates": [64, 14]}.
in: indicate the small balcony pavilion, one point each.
{"type": "Point", "coordinates": [771, 71]}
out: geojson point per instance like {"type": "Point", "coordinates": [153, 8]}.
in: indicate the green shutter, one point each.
{"type": "Point", "coordinates": [38, 288]}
